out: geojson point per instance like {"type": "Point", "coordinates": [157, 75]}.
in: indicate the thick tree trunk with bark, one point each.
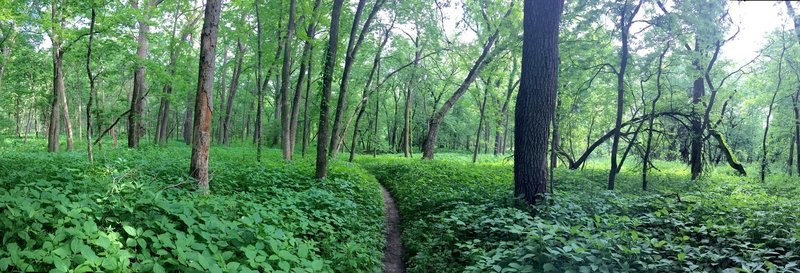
{"type": "Point", "coordinates": [327, 80]}
{"type": "Point", "coordinates": [537, 97]}
{"type": "Point", "coordinates": [205, 85]}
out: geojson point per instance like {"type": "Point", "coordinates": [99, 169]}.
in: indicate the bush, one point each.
{"type": "Point", "coordinates": [137, 211]}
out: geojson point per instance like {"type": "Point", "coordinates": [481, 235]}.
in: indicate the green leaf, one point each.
{"type": "Point", "coordinates": [130, 230]}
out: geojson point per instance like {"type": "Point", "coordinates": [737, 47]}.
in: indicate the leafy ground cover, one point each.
{"type": "Point", "coordinates": [458, 217]}
{"type": "Point", "coordinates": [136, 211]}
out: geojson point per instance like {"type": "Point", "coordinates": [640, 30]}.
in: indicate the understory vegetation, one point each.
{"type": "Point", "coordinates": [136, 210]}
{"type": "Point", "coordinates": [459, 217]}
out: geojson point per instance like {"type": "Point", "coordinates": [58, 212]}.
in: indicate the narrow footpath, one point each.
{"type": "Point", "coordinates": [393, 251]}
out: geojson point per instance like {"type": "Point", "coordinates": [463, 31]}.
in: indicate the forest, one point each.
{"type": "Point", "coordinates": [399, 136]}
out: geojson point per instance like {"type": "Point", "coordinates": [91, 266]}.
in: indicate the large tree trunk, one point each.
{"type": "Point", "coordinates": [237, 72]}
{"type": "Point", "coordinates": [286, 134]}
{"type": "Point", "coordinates": [433, 124]}
{"type": "Point", "coordinates": [327, 80]}
{"type": "Point", "coordinates": [537, 97]}
{"type": "Point", "coordinates": [352, 50]}
{"type": "Point", "coordinates": [205, 85]}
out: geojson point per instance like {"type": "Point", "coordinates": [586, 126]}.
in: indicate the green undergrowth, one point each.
{"type": "Point", "coordinates": [457, 217]}
{"type": "Point", "coordinates": [137, 211]}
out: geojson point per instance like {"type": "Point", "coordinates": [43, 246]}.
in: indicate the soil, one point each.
{"type": "Point", "coordinates": [393, 251]}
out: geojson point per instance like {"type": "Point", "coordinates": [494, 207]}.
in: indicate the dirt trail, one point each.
{"type": "Point", "coordinates": [393, 251]}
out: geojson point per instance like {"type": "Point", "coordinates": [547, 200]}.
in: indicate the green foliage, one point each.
{"type": "Point", "coordinates": [136, 211]}
{"type": "Point", "coordinates": [457, 217]}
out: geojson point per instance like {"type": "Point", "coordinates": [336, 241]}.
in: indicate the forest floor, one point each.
{"type": "Point", "coordinates": [393, 250]}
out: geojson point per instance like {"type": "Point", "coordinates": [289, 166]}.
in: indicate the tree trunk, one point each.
{"type": "Point", "coordinates": [91, 88]}
{"type": "Point", "coordinates": [366, 93]}
{"type": "Point", "coordinates": [257, 138]}
{"type": "Point", "coordinates": [648, 147]}
{"type": "Point", "coordinates": [769, 117]}
{"type": "Point", "coordinates": [795, 99]}
{"type": "Point", "coordinates": [410, 103]}
{"type": "Point", "coordinates": [305, 62]}
{"type": "Point", "coordinates": [205, 85]}
{"type": "Point", "coordinates": [237, 72]}
{"type": "Point", "coordinates": [352, 50]}
{"type": "Point", "coordinates": [480, 124]}
{"type": "Point", "coordinates": [306, 121]}
{"type": "Point", "coordinates": [625, 21]}
{"type": "Point", "coordinates": [327, 80]}
{"type": "Point", "coordinates": [286, 134]}
{"type": "Point", "coordinates": [433, 124]}
{"type": "Point", "coordinates": [137, 104]}
{"type": "Point", "coordinates": [537, 97]}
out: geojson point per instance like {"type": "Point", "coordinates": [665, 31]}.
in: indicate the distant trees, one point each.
{"type": "Point", "coordinates": [536, 100]}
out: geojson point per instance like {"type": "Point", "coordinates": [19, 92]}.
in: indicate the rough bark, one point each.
{"type": "Point", "coordinates": [137, 105]}
{"type": "Point", "coordinates": [327, 80]}
{"type": "Point", "coordinates": [537, 97]}
{"type": "Point", "coordinates": [205, 85]}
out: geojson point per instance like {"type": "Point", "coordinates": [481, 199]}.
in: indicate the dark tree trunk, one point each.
{"type": "Point", "coordinates": [306, 121]}
{"type": "Point", "coordinates": [795, 99]}
{"type": "Point", "coordinates": [625, 21]}
{"type": "Point", "coordinates": [327, 80]}
{"type": "Point", "coordinates": [205, 85]}
{"type": "Point", "coordinates": [537, 97]}
{"type": "Point", "coordinates": [91, 88]}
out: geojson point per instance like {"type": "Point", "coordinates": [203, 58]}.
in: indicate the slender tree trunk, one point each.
{"type": "Point", "coordinates": [163, 109]}
{"type": "Point", "coordinates": [205, 85]}
{"type": "Point", "coordinates": [222, 86]}
{"type": "Point", "coordinates": [305, 61]}
{"type": "Point", "coordinates": [769, 117]}
{"type": "Point", "coordinates": [648, 147]}
{"type": "Point", "coordinates": [795, 99]}
{"type": "Point", "coordinates": [376, 63]}
{"type": "Point", "coordinates": [286, 133]}
{"type": "Point", "coordinates": [625, 21]}
{"type": "Point", "coordinates": [352, 50]}
{"type": "Point", "coordinates": [434, 122]}
{"type": "Point", "coordinates": [410, 103]}
{"type": "Point", "coordinates": [306, 121]}
{"type": "Point", "coordinates": [257, 137]}
{"type": "Point", "coordinates": [480, 124]}
{"type": "Point", "coordinates": [327, 79]}
{"type": "Point", "coordinates": [226, 123]}
{"type": "Point", "coordinates": [537, 97]}
{"type": "Point", "coordinates": [91, 88]}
